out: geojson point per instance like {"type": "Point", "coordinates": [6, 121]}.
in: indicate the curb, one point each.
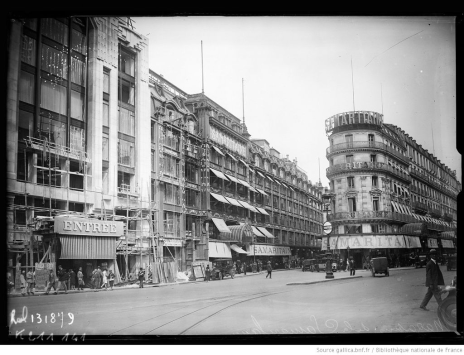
{"type": "Point", "coordinates": [319, 281]}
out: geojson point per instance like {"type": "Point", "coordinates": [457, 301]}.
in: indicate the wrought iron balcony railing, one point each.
{"type": "Point", "coordinates": [364, 165]}
{"type": "Point", "coordinates": [365, 144]}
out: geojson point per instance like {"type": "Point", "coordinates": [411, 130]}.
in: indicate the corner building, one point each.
{"type": "Point", "coordinates": [371, 205]}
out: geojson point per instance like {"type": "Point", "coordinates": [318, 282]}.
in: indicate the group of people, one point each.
{"type": "Point", "coordinates": [27, 281]}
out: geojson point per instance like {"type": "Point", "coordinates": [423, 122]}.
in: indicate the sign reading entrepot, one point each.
{"type": "Point", "coordinates": [90, 227]}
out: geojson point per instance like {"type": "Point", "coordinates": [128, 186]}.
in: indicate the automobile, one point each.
{"type": "Point", "coordinates": [451, 262]}
{"type": "Point", "coordinates": [309, 264]}
{"type": "Point", "coordinates": [321, 264]}
{"type": "Point", "coordinates": [221, 268]}
{"type": "Point", "coordinates": [379, 266]}
{"type": "Point", "coordinates": [421, 260]}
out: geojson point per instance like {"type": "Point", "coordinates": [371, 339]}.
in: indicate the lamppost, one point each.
{"type": "Point", "coordinates": [328, 267]}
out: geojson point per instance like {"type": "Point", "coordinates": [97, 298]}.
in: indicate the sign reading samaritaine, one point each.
{"type": "Point", "coordinates": [85, 226]}
{"type": "Point", "coordinates": [267, 250]}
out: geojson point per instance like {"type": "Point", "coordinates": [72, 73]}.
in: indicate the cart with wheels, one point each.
{"type": "Point", "coordinates": [379, 266]}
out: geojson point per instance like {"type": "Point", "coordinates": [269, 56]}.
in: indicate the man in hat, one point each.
{"type": "Point", "coordinates": [141, 277]}
{"type": "Point", "coordinates": [433, 279]}
{"type": "Point", "coordinates": [269, 270]}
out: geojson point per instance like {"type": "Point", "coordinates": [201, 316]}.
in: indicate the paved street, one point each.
{"type": "Point", "coordinates": [244, 305]}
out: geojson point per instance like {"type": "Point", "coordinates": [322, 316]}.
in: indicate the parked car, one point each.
{"type": "Point", "coordinates": [309, 264]}
{"type": "Point", "coordinates": [221, 268]}
{"type": "Point", "coordinates": [421, 260]}
{"type": "Point", "coordinates": [379, 266]}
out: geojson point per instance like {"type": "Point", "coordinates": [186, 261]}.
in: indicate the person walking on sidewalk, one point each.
{"type": "Point", "coordinates": [62, 279]}
{"type": "Point", "coordinates": [98, 278]}
{"type": "Point", "coordinates": [269, 270]}
{"type": "Point", "coordinates": [141, 277]}
{"type": "Point", "coordinates": [30, 282]}
{"type": "Point", "coordinates": [244, 268]}
{"type": "Point", "coordinates": [22, 280]}
{"type": "Point", "coordinates": [51, 283]}
{"type": "Point", "coordinates": [111, 279]}
{"type": "Point", "coordinates": [80, 280]}
{"type": "Point", "coordinates": [433, 279]}
{"type": "Point", "coordinates": [207, 273]}
{"type": "Point", "coordinates": [105, 280]}
{"type": "Point", "coordinates": [352, 267]}
{"type": "Point", "coordinates": [72, 279]}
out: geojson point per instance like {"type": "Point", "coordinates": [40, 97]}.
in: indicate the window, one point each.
{"type": "Point", "coordinates": [153, 161]}
{"type": "Point", "coordinates": [106, 82]}
{"type": "Point", "coordinates": [373, 158]}
{"type": "Point", "coordinates": [352, 204]}
{"type": "Point", "coordinates": [124, 182]}
{"type": "Point", "coordinates": [77, 105]}
{"type": "Point", "coordinates": [371, 139]}
{"type": "Point", "coordinates": [258, 161]}
{"type": "Point", "coordinates": [106, 114]}
{"type": "Point", "coordinates": [126, 92]}
{"type": "Point", "coordinates": [171, 194]}
{"type": "Point", "coordinates": [349, 159]}
{"type": "Point", "coordinates": [191, 173]}
{"type": "Point", "coordinates": [78, 71]}
{"type": "Point", "coordinates": [375, 204]}
{"type": "Point", "coordinates": [54, 62]}
{"type": "Point", "coordinates": [266, 165]}
{"type": "Point", "coordinates": [55, 30]}
{"type": "Point", "coordinates": [375, 181]}
{"type": "Point", "coordinates": [105, 147]}
{"type": "Point", "coordinates": [77, 139]}
{"type": "Point", "coordinates": [192, 198]}
{"type": "Point", "coordinates": [153, 132]}
{"type": "Point", "coordinates": [105, 180]}
{"type": "Point", "coordinates": [53, 96]}
{"type": "Point", "coordinates": [78, 41]}
{"type": "Point", "coordinates": [349, 140]}
{"type": "Point", "coordinates": [76, 182]}
{"type": "Point", "coordinates": [171, 139]}
{"type": "Point", "coordinates": [350, 181]}
{"type": "Point", "coordinates": [215, 157]}
{"type": "Point", "coordinates": [170, 166]}
{"type": "Point", "coordinates": [240, 168]}
{"type": "Point", "coordinates": [127, 62]}
{"type": "Point", "coordinates": [126, 152]}
{"type": "Point", "coordinates": [28, 50]}
{"type": "Point", "coordinates": [126, 121]}
{"type": "Point", "coordinates": [375, 228]}
{"type": "Point", "coordinates": [26, 87]}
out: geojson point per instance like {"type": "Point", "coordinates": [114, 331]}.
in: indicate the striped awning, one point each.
{"type": "Point", "coordinates": [221, 225]}
{"type": "Point", "coordinates": [87, 247]}
{"type": "Point", "coordinates": [269, 178]}
{"type": "Point", "coordinates": [256, 232]}
{"type": "Point", "coordinates": [241, 233]}
{"type": "Point", "coordinates": [219, 250]}
{"type": "Point", "coordinates": [395, 207]}
{"type": "Point", "coordinates": [247, 205]}
{"type": "Point", "coordinates": [448, 235]}
{"type": "Point", "coordinates": [447, 244]}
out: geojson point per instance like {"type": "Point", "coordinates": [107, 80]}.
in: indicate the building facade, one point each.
{"type": "Point", "coordinates": [93, 135]}
{"type": "Point", "coordinates": [373, 200]}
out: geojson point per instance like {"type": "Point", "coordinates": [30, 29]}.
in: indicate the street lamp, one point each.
{"type": "Point", "coordinates": [328, 267]}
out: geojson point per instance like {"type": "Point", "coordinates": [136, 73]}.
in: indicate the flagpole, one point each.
{"type": "Point", "coordinates": [202, 78]}
{"type": "Point", "coordinates": [352, 82]}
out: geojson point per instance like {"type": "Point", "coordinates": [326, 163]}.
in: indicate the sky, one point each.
{"type": "Point", "coordinates": [299, 71]}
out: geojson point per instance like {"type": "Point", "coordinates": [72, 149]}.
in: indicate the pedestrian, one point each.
{"type": "Point", "coordinates": [244, 268]}
{"type": "Point", "coordinates": [62, 279]}
{"type": "Point", "coordinates": [98, 278]}
{"type": "Point", "coordinates": [92, 279]}
{"type": "Point", "coordinates": [352, 268]}
{"type": "Point", "coordinates": [72, 279]}
{"type": "Point", "coordinates": [347, 264]}
{"type": "Point", "coordinates": [141, 277]}
{"type": "Point", "coordinates": [30, 282]}
{"type": "Point", "coordinates": [269, 270]}
{"type": "Point", "coordinates": [9, 282]}
{"type": "Point", "coordinates": [433, 279]}
{"type": "Point", "coordinates": [80, 279]}
{"type": "Point", "coordinates": [111, 279]}
{"type": "Point", "coordinates": [207, 273]}
{"type": "Point", "coordinates": [51, 283]}
{"type": "Point", "coordinates": [22, 280]}
{"type": "Point", "coordinates": [105, 279]}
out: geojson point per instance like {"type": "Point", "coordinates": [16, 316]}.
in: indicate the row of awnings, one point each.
{"type": "Point", "coordinates": [400, 208]}
{"type": "Point", "coordinates": [232, 201]}
{"type": "Point", "coordinates": [224, 228]}
{"type": "Point", "coordinates": [230, 155]}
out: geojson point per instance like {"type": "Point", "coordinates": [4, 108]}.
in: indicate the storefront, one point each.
{"type": "Point", "coordinates": [87, 243]}
{"type": "Point", "coordinates": [263, 253]}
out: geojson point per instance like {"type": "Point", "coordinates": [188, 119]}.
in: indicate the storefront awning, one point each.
{"type": "Point", "coordinates": [218, 150]}
{"type": "Point", "coordinates": [265, 232]}
{"type": "Point", "coordinates": [237, 249]}
{"type": "Point", "coordinates": [448, 244]}
{"type": "Point", "coordinates": [432, 243]}
{"type": "Point", "coordinates": [412, 242]}
{"type": "Point", "coordinates": [218, 174]}
{"type": "Point", "coordinates": [448, 235]}
{"type": "Point", "coordinates": [87, 247]}
{"type": "Point", "coordinates": [219, 250]}
{"type": "Point", "coordinates": [260, 174]}
{"type": "Point", "coordinates": [256, 232]}
{"type": "Point", "coordinates": [262, 210]}
{"type": "Point", "coordinates": [262, 192]}
{"type": "Point", "coordinates": [221, 225]}
{"type": "Point", "coordinates": [220, 198]}
{"type": "Point", "coordinates": [414, 229]}
{"type": "Point", "coordinates": [231, 178]}
{"type": "Point", "coordinates": [246, 205]}
{"type": "Point", "coordinates": [253, 189]}
{"type": "Point", "coordinates": [241, 233]}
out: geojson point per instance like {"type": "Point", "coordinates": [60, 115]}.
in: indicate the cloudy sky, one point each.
{"type": "Point", "coordinates": [297, 73]}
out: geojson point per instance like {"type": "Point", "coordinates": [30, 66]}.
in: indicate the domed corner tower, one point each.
{"type": "Point", "coordinates": [369, 186]}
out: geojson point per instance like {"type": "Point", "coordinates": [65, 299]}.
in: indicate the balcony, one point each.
{"type": "Point", "coordinates": [349, 168]}
{"type": "Point", "coordinates": [448, 217]}
{"type": "Point", "coordinates": [365, 144]}
{"type": "Point", "coordinates": [427, 178]}
{"type": "Point", "coordinates": [435, 213]}
{"type": "Point", "coordinates": [419, 206]}
{"type": "Point", "coordinates": [360, 215]}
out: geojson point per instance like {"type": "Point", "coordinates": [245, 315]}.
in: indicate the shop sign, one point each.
{"type": "Point", "coordinates": [366, 242]}
{"type": "Point", "coordinates": [432, 243]}
{"type": "Point", "coordinates": [267, 250]}
{"type": "Point", "coordinates": [90, 227]}
{"type": "Point", "coordinates": [172, 242]}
